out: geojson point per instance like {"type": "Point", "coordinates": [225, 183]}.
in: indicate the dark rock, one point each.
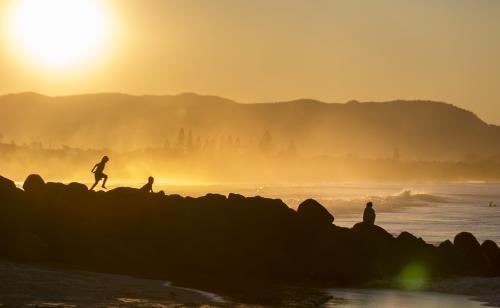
{"type": "Point", "coordinates": [446, 245]}
{"type": "Point", "coordinates": [312, 211]}
{"type": "Point", "coordinates": [34, 183]}
{"type": "Point", "coordinates": [447, 254]}
{"type": "Point", "coordinates": [410, 242]}
{"type": "Point", "coordinates": [235, 198]}
{"type": "Point", "coordinates": [470, 254]}
{"type": "Point", "coordinates": [212, 199]}
{"type": "Point", "coordinates": [174, 199]}
{"type": "Point", "coordinates": [121, 191]}
{"type": "Point", "coordinates": [6, 185]}
{"type": "Point", "coordinates": [491, 250]}
{"type": "Point", "coordinates": [406, 237]}
{"type": "Point", "coordinates": [72, 189]}
{"type": "Point", "coordinates": [53, 187]}
{"type": "Point", "coordinates": [370, 231]}
{"type": "Point", "coordinates": [466, 242]}
{"type": "Point", "coordinates": [124, 196]}
{"type": "Point", "coordinates": [267, 202]}
{"type": "Point", "coordinates": [77, 188]}
{"type": "Point", "coordinates": [27, 246]}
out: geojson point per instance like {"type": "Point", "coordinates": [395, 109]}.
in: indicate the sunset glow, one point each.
{"type": "Point", "coordinates": [232, 153]}
{"type": "Point", "coordinates": [59, 34]}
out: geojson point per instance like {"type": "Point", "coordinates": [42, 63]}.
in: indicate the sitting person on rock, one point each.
{"type": "Point", "coordinates": [98, 171]}
{"type": "Point", "coordinates": [369, 214]}
{"type": "Point", "coordinates": [148, 187]}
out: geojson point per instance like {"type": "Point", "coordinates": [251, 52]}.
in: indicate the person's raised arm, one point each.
{"type": "Point", "coordinates": [93, 169]}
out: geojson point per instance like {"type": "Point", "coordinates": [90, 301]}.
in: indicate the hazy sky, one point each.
{"type": "Point", "coordinates": [270, 50]}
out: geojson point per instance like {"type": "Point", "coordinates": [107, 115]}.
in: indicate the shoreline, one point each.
{"type": "Point", "coordinates": [483, 289]}
{"type": "Point", "coordinates": [212, 296]}
{"type": "Point", "coordinates": [26, 284]}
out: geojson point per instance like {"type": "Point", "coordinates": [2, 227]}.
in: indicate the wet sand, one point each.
{"type": "Point", "coordinates": [483, 289]}
{"type": "Point", "coordinates": [32, 286]}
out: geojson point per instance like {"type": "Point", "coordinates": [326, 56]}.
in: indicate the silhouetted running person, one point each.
{"type": "Point", "coordinates": [148, 187]}
{"type": "Point", "coordinates": [369, 214]}
{"type": "Point", "coordinates": [99, 174]}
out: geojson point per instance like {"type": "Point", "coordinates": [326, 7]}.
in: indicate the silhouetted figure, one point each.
{"type": "Point", "coordinates": [99, 174]}
{"type": "Point", "coordinates": [369, 214]}
{"type": "Point", "coordinates": [148, 187]}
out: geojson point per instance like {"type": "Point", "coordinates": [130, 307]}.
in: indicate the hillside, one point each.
{"type": "Point", "coordinates": [419, 129]}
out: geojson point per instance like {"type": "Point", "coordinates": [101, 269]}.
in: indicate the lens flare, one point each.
{"type": "Point", "coordinates": [414, 276]}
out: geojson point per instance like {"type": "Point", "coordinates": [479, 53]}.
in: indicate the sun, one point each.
{"type": "Point", "coordinates": [59, 33]}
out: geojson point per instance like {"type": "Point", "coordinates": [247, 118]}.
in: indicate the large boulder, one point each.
{"type": "Point", "coordinates": [446, 246]}
{"type": "Point", "coordinates": [8, 193]}
{"type": "Point", "coordinates": [473, 261]}
{"type": "Point", "coordinates": [447, 253]}
{"type": "Point", "coordinates": [409, 241]}
{"type": "Point", "coordinates": [266, 203]}
{"type": "Point", "coordinates": [235, 198]}
{"type": "Point", "coordinates": [210, 199]}
{"type": "Point", "coordinates": [6, 185]}
{"type": "Point", "coordinates": [491, 250]}
{"type": "Point", "coordinates": [73, 189]}
{"type": "Point", "coordinates": [465, 242]}
{"type": "Point", "coordinates": [312, 211]}
{"type": "Point", "coordinates": [55, 188]}
{"type": "Point", "coordinates": [77, 188]}
{"type": "Point", "coordinates": [34, 183]}
{"type": "Point", "coordinates": [124, 193]}
{"type": "Point", "coordinates": [371, 232]}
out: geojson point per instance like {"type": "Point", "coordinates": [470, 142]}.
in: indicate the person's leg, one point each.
{"type": "Point", "coordinates": [105, 177]}
{"type": "Point", "coordinates": [95, 183]}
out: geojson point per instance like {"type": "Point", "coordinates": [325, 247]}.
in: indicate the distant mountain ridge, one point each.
{"type": "Point", "coordinates": [419, 129]}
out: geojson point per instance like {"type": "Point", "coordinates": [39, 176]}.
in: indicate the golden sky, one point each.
{"type": "Point", "coordinates": [265, 50]}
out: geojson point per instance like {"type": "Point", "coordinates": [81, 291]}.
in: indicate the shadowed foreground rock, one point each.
{"type": "Point", "coordinates": [214, 238]}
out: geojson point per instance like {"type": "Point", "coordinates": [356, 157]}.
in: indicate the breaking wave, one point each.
{"type": "Point", "coordinates": [402, 199]}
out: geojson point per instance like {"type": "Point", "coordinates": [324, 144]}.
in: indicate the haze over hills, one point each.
{"type": "Point", "coordinates": [419, 129]}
